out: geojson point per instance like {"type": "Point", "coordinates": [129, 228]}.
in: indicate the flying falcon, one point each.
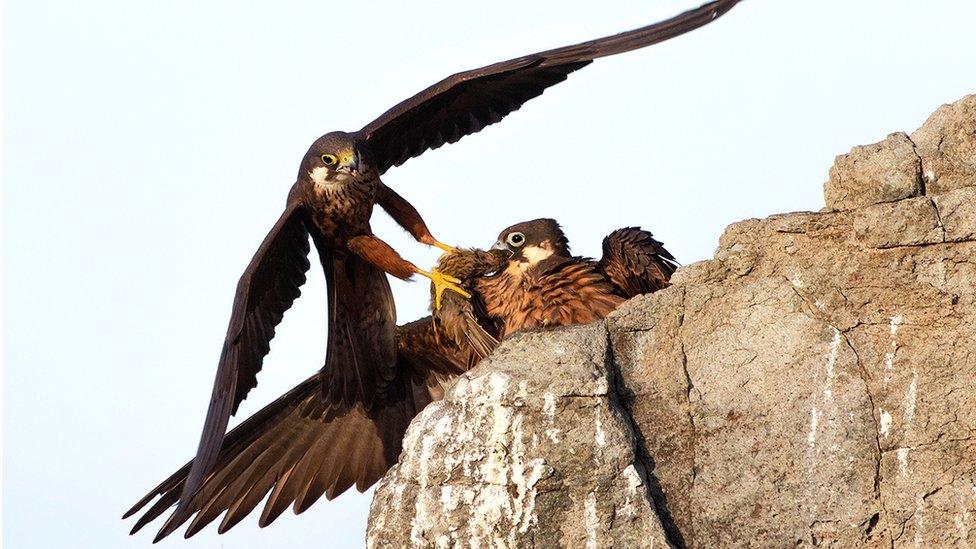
{"type": "Point", "coordinates": [332, 200]}
{"type": "Point", "coordinates": [301, 447]}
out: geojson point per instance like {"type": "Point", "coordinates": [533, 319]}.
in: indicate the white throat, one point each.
{"type": "Point", "coordinates": [320, 176]}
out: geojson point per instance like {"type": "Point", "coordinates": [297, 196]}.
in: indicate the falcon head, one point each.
{"type": "Point", "coordinates": [532, 242]}
{"type": "Point", "coordinates": [335, 158]}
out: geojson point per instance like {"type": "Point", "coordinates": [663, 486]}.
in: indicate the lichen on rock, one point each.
{"type": "Point", "coordinates": [528, 449]}
{"type": "Point", "coordinates": [812, 385]}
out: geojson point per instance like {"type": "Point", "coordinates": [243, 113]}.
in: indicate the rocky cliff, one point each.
{"type": "Point", "coordinates": [812, 385]}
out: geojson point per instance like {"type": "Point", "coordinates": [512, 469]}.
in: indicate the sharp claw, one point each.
{"type": "Point", "coordinates": [444, 282]}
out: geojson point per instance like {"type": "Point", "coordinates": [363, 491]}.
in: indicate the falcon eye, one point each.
{"type": "Point", "coordinates": [330, 159]}
{"type": "Point", "coordinates": [516, 239]}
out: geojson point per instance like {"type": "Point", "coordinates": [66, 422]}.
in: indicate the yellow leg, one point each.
{"type": "Point", "coordinates": [443, 282]}
{"type": "Point", "coordinates": [445, 247]}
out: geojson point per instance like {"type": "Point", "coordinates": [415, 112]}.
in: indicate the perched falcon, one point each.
{"type": "Point", "coordinates": [543, 284]}
{"type": "Point", "coordinates": [530, 279]}
{"type": "Point", "coordinates": [331, 202]}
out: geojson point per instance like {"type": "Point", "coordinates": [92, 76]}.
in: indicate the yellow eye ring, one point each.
{"type": "Point", "coordinates": [330, 159]}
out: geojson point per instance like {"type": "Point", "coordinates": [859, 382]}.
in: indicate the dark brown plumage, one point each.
{"type": "Point", "coordinates": [635, 263]}
{"type": "Point", "coordinates": [332, 200]}
{"type": "Point", "coordinates": [544, 285]}
{"type": "Point", "coordinates": [466, 102]}
{"type": "Point", "coordinates": [301, 447]}
{"type": "Point", "coordinates": [530, 279]}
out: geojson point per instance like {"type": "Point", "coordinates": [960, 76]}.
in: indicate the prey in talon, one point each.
{"type": "Point", "coordinates": [465, 320]}
{"type": "Point", "coordinates": [441, 281]}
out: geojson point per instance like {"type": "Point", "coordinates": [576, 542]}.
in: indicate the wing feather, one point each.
{"type": "Point", "coordinates": [303, 446]}
{"type": "Point", "coordinates": [466, 102]}
{"type": "Point", "coordinates": [268, 287]}
{"type": "Point", "coordinates": [635, 263]}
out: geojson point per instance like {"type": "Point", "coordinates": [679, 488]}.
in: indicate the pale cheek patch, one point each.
{"type": "Point", "coordinates": [319, 175]}
{"type": "Point", "coordinates": [534, 254]}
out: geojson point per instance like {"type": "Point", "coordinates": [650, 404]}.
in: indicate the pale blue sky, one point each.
{"type": "Point", "coordinates": [149, 146]}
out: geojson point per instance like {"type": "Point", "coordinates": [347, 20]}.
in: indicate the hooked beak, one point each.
{"type": "Point", "coordinates": [499, 245]}
{"type": "Point", "coordinates": [352, 164]}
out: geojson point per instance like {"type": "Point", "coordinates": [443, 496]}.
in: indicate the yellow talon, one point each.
{"type": "Point", "coordinates": [443, 282]}
{"type": "Point", "coordinates": [445, 247]}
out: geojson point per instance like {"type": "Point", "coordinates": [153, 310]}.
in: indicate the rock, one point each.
{"type": "Point", "coordinates": [957, 213]}
{"type": "Point", "coordinates": [938, 158]}
{"type": "Point", "coordinates": [871, 174]}
{"type": "Point", "coordinates": [946, 144]}
{"type": "Point", "coordinates": [812, 385]}
{"type": "Point", "coordinates": [910, 222]}
{"type": "Point", "coordinates": [528, 449]}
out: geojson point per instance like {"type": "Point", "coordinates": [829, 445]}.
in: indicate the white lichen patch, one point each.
{"type": "Point", "coordinates": [827, 393]}
{"type": "Point", "coordinates": [961, 520]}
{"type": "Point", "coordinates": [814, 422]}
{"type": "Point", "coordinates": [591, 520]}
{"type": "Point", "coordinates": [831, 363]}
{"type": "Point", "coordinates": [919, 517]}
{"type": "Point", "coordinates": [599, 435]}
{"type": "Point", "coordinates": [601, 385]}
{"type": "Point", "coordinates": [911, 397]}
{"type": "Point", "coordinates": [549, 416]}
{"type": "Point", "coordinates": [902, 454]}
{"type": "Point", "coordinates": [885, 422]}
{"type": "Point", "coordinates": [484, 437]}
{"type": "Point", "coordinates": [889, 357]}
{"type": "Point", "coordinates": [628, 509]}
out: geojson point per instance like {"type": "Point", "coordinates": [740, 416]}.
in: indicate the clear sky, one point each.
{"type": "Point", "coordinates": [149, 147]}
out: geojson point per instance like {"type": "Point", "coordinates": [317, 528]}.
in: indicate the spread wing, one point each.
{"type": "Point", "coordinates": [265, 291]}
{"type": "Point", "coordinates": [635, 262]}
{"type": "Point", "coordinates": [301, 447]}
{"type": "Point", "coordinates": [466, 102]}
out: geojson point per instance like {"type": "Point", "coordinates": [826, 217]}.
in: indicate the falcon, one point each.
{"type": "Point", "coordinates": [301, 446]}
{"type": "Point", "coordinates": [331, 202]}
{"type": "Point", "coordinates": [531, 281]}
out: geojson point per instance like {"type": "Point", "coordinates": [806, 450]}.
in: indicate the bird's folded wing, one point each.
{"type": "Point", "coordinates": [301, 447]}
{"type": "Point", "coordinates": [635, 262]}
{"type": "Point", "coordinates": [360, 357]}
{"type": "Point", "coordinates": [466, 102]}
{"type": "Point", "coordinates": [265, 291]}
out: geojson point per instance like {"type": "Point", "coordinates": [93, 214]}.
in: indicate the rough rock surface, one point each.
{"type": "Point", "coordinates": [529, 449]}
{"type": "Point", "coordinates": [812, 385]}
